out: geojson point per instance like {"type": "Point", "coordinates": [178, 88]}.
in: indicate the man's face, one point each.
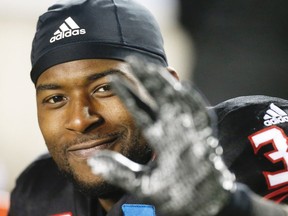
{"type": "Point", "coordinates": [79, 114]}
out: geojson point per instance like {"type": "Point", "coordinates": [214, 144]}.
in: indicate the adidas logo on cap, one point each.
{"type": "Point", "coordinates": [274, 115]}
{"type": "Point", "coordinates": [68, 29]}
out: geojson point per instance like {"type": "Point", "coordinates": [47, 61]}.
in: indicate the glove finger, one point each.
{"type": "Point", "coordinates": [142, 109]}
{"type": "Point", "coordinates": [172, 97]}
{"type": "Point", "coordinates": [144, 112]}
{"type": "Point", "coordinates": [203, 117]}
{"type": "Point", "coordinates": [117, 169]}
{"type": "Point", "coordinates": [156, 80]}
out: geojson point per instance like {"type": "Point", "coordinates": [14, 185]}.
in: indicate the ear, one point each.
{"type": "Point", "coordinates": [173, 72]}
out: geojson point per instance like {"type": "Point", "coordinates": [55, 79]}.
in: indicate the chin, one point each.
{"type": "Point", "coordinates": [98, 188]}
{"type": "Point", "coordinates": [92, 185]}
{"type": "Point", "coordinates": [102, 191]}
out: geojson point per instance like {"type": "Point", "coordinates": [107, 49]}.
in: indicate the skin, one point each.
{"type": "Point", "coordinates": [79, 114]}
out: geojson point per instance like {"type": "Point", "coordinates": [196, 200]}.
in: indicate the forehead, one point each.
{"type": "Point", "coordinates": [81, 69]}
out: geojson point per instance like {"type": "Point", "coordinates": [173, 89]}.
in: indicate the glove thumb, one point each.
{"type": "Point", "coordinates": [116, 169]}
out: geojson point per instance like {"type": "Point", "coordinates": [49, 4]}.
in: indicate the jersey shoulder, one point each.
{"type": "Point", "coordinates": [40, 189]}
{"type": "Point", "coordinates": [40, 174]}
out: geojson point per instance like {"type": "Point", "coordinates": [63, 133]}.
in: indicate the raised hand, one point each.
{"type": "Point", "coordinates": [188, 176]}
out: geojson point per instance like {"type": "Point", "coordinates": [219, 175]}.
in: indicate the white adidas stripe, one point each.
{"type": "Point", "coordinates": [68, 24]}
{"type": "Point", "coordinates": [71, 23]}
{"type": "Point", "coordinates": [274, 111]}
{"type": "Point", "coordinates": [64, 27]}
{"type": "Point", "coordinates": [277, 109]}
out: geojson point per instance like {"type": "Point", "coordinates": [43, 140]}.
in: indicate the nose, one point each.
{"type": "Point", "coordinates": [82, 117]}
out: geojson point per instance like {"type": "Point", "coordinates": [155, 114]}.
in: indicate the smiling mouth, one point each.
{"type": "Point", "coordinates": [87, 149]}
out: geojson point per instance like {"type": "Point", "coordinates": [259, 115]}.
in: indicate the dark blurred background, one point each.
{"type": "Point", "coordinates": [241, 46]}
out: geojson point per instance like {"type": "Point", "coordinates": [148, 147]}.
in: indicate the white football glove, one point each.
{"type": "Point", "coordinates": [188, 176]}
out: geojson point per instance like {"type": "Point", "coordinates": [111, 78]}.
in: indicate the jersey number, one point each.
{"type": "Point", "coordinates": [275, 136]}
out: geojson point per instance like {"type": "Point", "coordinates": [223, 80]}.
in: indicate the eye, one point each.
{"type": "Point", "coordinates": [55, 99]}
{"type": "Point", "coordinates": [104, 90]}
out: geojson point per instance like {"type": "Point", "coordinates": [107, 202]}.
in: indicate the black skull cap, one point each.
{"type": "Point", "coordinates": [95, 29]}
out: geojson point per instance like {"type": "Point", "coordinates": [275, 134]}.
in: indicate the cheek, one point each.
{"type": "Point", "coordinates": [51, 132]}
{"type": "Point", "coordinates": [50, 126]}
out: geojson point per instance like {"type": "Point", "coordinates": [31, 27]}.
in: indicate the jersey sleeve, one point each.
{"type": "Point", "coordinates": [243, 202]}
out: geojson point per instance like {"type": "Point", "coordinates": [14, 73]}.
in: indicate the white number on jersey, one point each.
{"type": "Point", "coordinates": [276, 137]}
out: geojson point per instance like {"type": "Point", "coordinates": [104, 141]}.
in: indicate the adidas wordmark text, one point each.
{"type": "Point", "coordinates": [68, 29]}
